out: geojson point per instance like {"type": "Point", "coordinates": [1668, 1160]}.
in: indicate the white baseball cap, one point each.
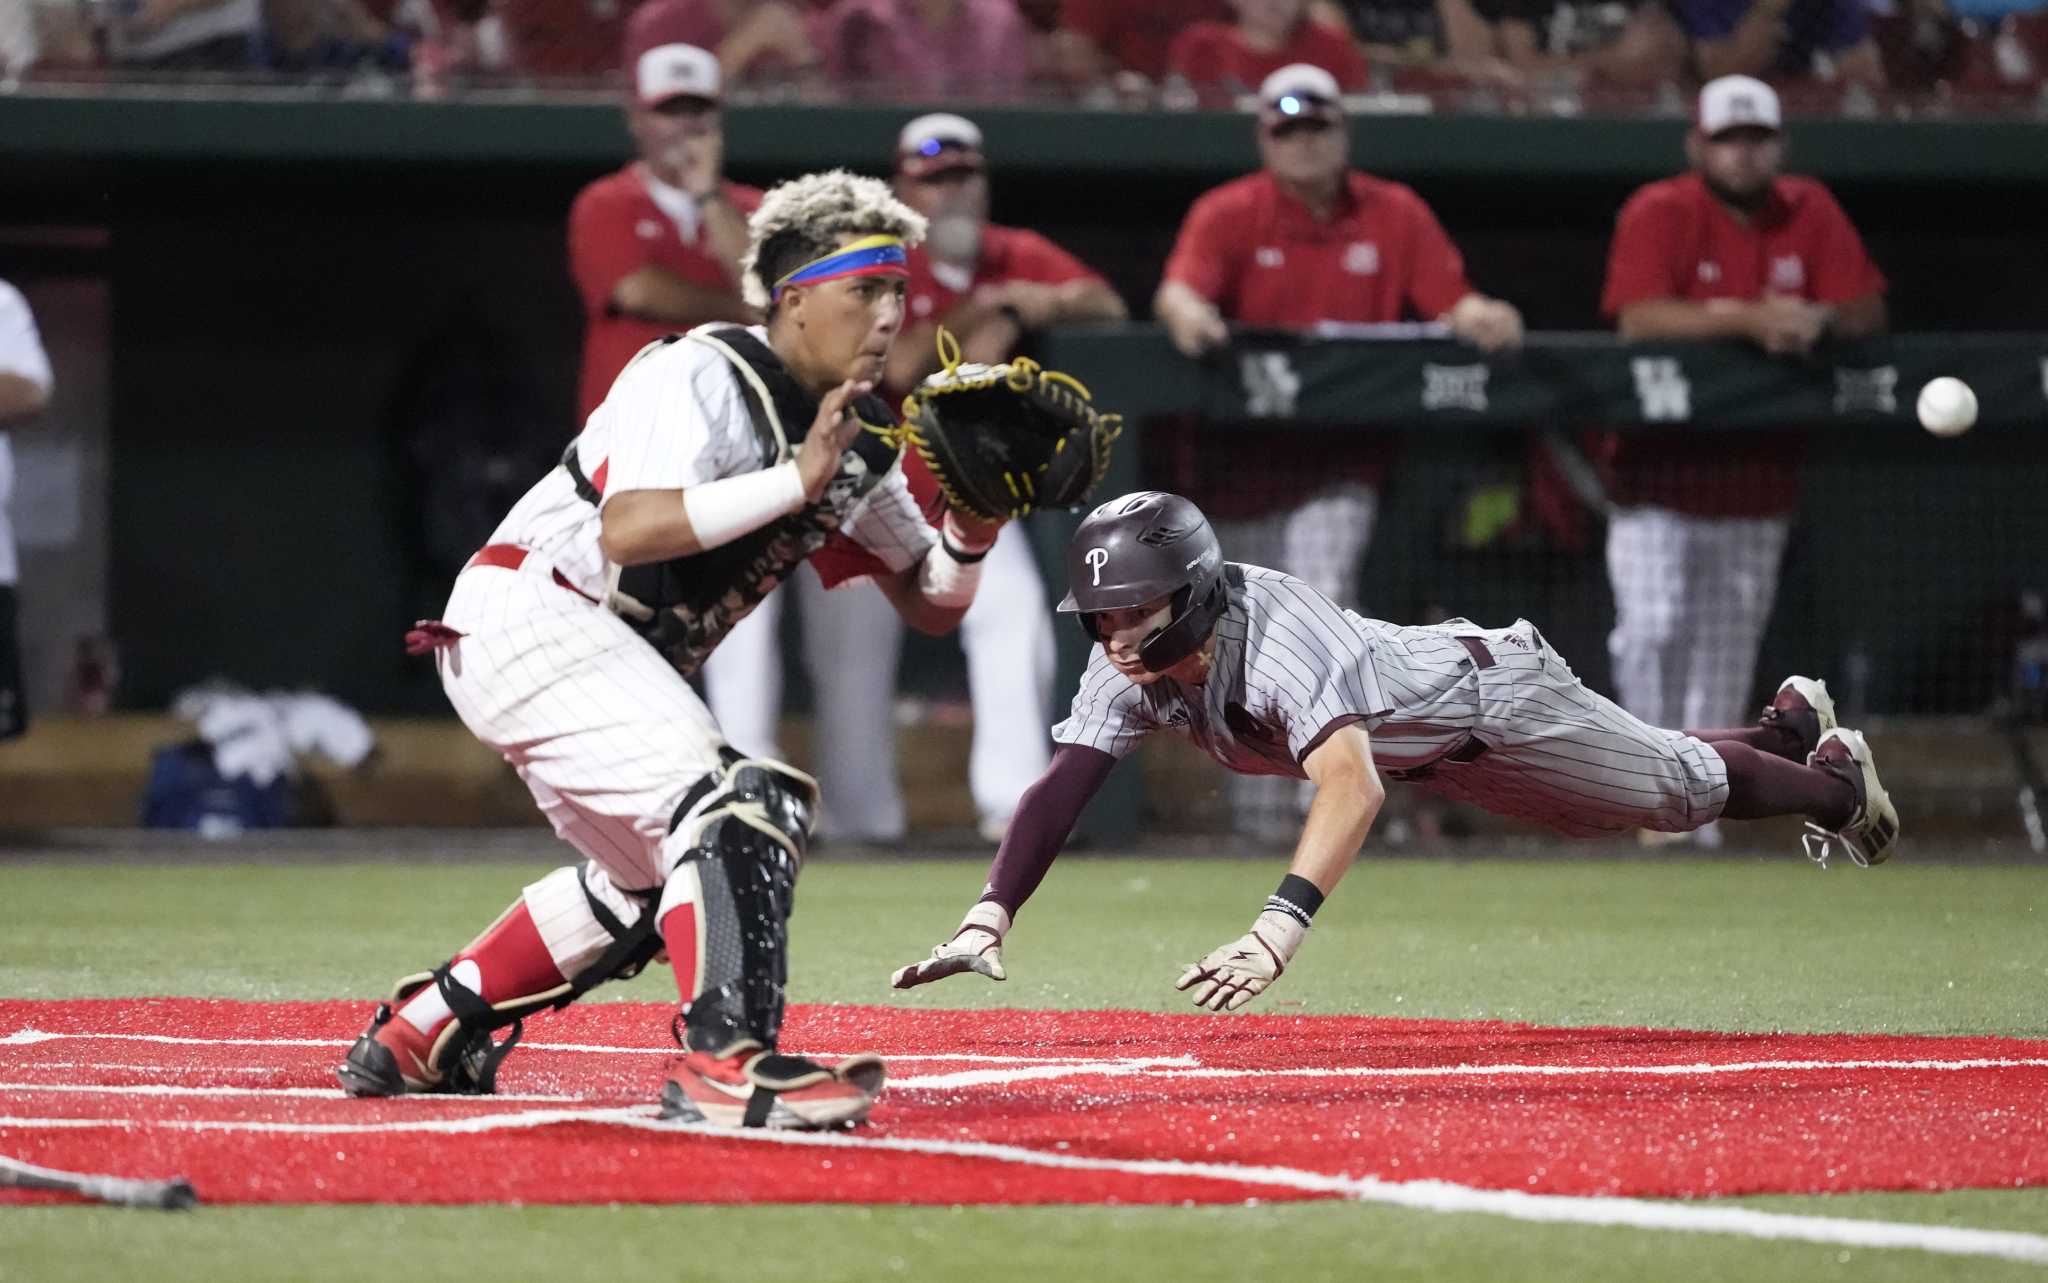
{"type": "Point", "coordinates": [675, 71]}
{"type": "Point", "coordinates": [938, 142]}
{"type": "Point", "coordinates": [1738, 102]}
{"type": "Point", "coordinates": [1300, 89]}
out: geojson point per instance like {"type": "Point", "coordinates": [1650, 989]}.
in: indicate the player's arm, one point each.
{"type": "Point", "coordinates": [643, 526]}
{"type": "Point", "coordinates": [1749, 47]}
{"type": "Point", "coordinates": [1197, 277]}
{"type": "Point", "coordinates": [1044, 820]}
{"type": "Point", "coordinates": [20, 397]}
{"type": "Point", "coordinates": [25, 380]}
{"type": "Point", "coordinates": [933, 595]}
{"type": "Point", "coordinates": [992, 322]}
{"type": "Point", "coordinates": [1348, 799]}
{"type": "Point", "coordinates": [653, 293]}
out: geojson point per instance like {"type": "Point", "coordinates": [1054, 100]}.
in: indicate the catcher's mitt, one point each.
{"type": "Point", "coordinates": [1005, 439]}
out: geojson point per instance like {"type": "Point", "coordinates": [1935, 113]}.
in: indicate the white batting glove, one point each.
{"type": "Point", "coordinates": [977, 946]}
{"type": "Point", "coordinates": [1232, 976]}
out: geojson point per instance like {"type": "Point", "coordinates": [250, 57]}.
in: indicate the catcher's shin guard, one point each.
{"type": "Point", "coordinates": [736, 880]}
{"type": "Point", "coordinates": [603, 934]}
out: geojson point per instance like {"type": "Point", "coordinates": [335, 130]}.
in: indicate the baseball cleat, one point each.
{"type": "Point", "coordinates": [378, 1061]}
{"type": "Point", "coordinates": [748, 1087]}
{"type": "Point", "coordinates": [1873, 827]}
{"type": "Point", "coordinates": [1803, 707]}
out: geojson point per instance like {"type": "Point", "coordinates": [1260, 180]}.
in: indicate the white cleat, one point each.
{"type": "Point", "coordinates": [1873, 827]}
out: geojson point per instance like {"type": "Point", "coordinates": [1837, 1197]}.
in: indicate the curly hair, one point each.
{"type": "Point", "coordinates": [807, 217]}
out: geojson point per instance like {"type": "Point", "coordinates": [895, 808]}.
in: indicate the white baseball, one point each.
{"type": "Point", "coordinates": [1947, 407]}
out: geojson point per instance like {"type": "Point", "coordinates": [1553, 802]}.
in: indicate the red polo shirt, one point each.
{"type": "Point", "coordinates": [1214, 53]}
{"type": "Point", "coordinates": [1007, 254]}
{"type": "Point", "coordinates": [1259, 254]}
{"type": "Point", "coordinates": [615, 229]}
{"type": "Point", "coordinates": [1136, 33]}
{"type": "Point", "coordinates": [1674, 240]}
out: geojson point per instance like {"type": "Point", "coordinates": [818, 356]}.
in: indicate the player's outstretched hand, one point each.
{"type": "Point", "coordinates": [817, 459]}
{"type": "Point", "coordinates": [1228, 978]}
{"type": "Point", "coordinates": [977, 946]}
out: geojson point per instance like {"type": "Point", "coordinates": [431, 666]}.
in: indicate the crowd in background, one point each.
{"type": "Point", "coordinates": [1835, 54]}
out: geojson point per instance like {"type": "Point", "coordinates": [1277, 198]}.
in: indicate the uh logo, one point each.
{"type": "Point", "coordinates": [1096, 558]}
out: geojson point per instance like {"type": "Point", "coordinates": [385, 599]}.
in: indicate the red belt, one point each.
{"type": "Point", "coordinates": [510, 556]}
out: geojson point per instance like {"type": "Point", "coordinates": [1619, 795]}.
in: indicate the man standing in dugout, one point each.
{"type": "Point", "coordinates": [1734, 249]}
{"type": "Point", "coordinates": [655, 248]}
{"type": "Point", "coordinates": [718, 462]}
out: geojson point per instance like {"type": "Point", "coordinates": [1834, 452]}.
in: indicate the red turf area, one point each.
{"type": "Point", "coordinates": [240, 1097]}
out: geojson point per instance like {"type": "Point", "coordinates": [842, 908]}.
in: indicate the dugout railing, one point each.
{"type": "Point", "coordinates": [1912, 574]}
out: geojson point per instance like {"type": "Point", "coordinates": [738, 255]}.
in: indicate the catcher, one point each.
{"type": "Point", "coordinates": [1269, 677]}
{"type": "Point", "coordinates": [718, 461]}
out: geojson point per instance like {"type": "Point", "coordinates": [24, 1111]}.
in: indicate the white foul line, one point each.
{"type": "Point", "coordinates": [1428, 1195]}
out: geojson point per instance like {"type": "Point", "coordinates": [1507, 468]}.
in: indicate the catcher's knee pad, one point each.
{"type": "Point", "coordinates": [740, 849]}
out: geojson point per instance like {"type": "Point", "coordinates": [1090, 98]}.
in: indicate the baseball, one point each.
{"type": "Point", "coordinates": [1947, 407]}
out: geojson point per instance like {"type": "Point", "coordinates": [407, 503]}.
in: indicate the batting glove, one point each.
{"type": "Point", "coordinates": [977, 946]}
{"type": "Point", "coordinates": [1232, 976]}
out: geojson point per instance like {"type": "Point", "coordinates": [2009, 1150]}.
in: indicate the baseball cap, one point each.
{"type": "Point", "coordinates": [663, 56]}
{"type": "Point", "coordinates": [937, 143]}
{"type": "Point", "coordinates": [1300, 89]}
{"type": "Point", "coordinates": [1738, 102]}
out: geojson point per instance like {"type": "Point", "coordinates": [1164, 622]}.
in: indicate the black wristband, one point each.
{"type": "Point", "coordinates": [958, 554]}
{"type": "Point", "coordinates": [1297, 898]}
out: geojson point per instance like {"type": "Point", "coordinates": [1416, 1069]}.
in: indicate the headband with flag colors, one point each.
{"type": "Point", "coordinates": [868, 256]}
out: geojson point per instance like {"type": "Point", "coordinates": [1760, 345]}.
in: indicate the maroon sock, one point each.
{"type": "Point", "coordinates": [1777, 740]}
{"type": "Point", "coordinates": [1761, 785]}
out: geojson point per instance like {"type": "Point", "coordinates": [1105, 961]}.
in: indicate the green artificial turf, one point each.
{"type": "Point", "coordinates": [1735, 944]}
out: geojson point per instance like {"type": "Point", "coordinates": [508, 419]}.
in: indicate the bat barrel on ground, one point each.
{"type": "Point", "coordinates": [172, 1195]}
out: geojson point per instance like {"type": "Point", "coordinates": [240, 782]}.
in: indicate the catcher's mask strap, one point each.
{"type": "Point", "coordinates": [868, 256]}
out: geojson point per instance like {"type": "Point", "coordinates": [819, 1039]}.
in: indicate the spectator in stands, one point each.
{"type": "Point", "coordinates": [1781, 39]}
{"type": "Point", "coordinates": [24, 392]}
{"type": "Point", "coordinates": [335, 35]}
{"type": "Point", "coordinates": [1305, 242]}
{"type": "Point", "coordinates": [1591, 43]}
{"type": "Point", "coordinates": [925, 48]}
{"type": "Point", "coordinates": [184, 35]}
{"type": "Point", "coordinates": [1736, 250]}
{"type": "Point", "coordinates": [1103, 39]}
{"type": "Point", "coordinates": [655, 247]}
{"type": "Point", "coordinates": [754, 39]}
{"type": "Point", "coordinates": [1267, 35]}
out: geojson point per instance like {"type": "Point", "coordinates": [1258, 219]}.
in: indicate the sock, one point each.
{"type": "Point", "coordinates": [1775, 739]}
{"type": "Point", "coordinates": [509, 960]}
{"type": "Point", "coordinates": [1761, 785]}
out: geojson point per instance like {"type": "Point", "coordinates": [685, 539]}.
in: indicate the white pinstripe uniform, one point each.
{"type": "Point", "coordinates": [605, 732]}
{"type": "Point", "coordinates": [1492, 717]}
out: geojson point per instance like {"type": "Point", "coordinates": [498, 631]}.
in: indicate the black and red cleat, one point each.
{"type": "Point", "coordinates": [745, 1086]}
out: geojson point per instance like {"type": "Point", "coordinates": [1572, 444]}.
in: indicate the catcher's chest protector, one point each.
{"type": "Point", "coordinates": [687, 605]}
